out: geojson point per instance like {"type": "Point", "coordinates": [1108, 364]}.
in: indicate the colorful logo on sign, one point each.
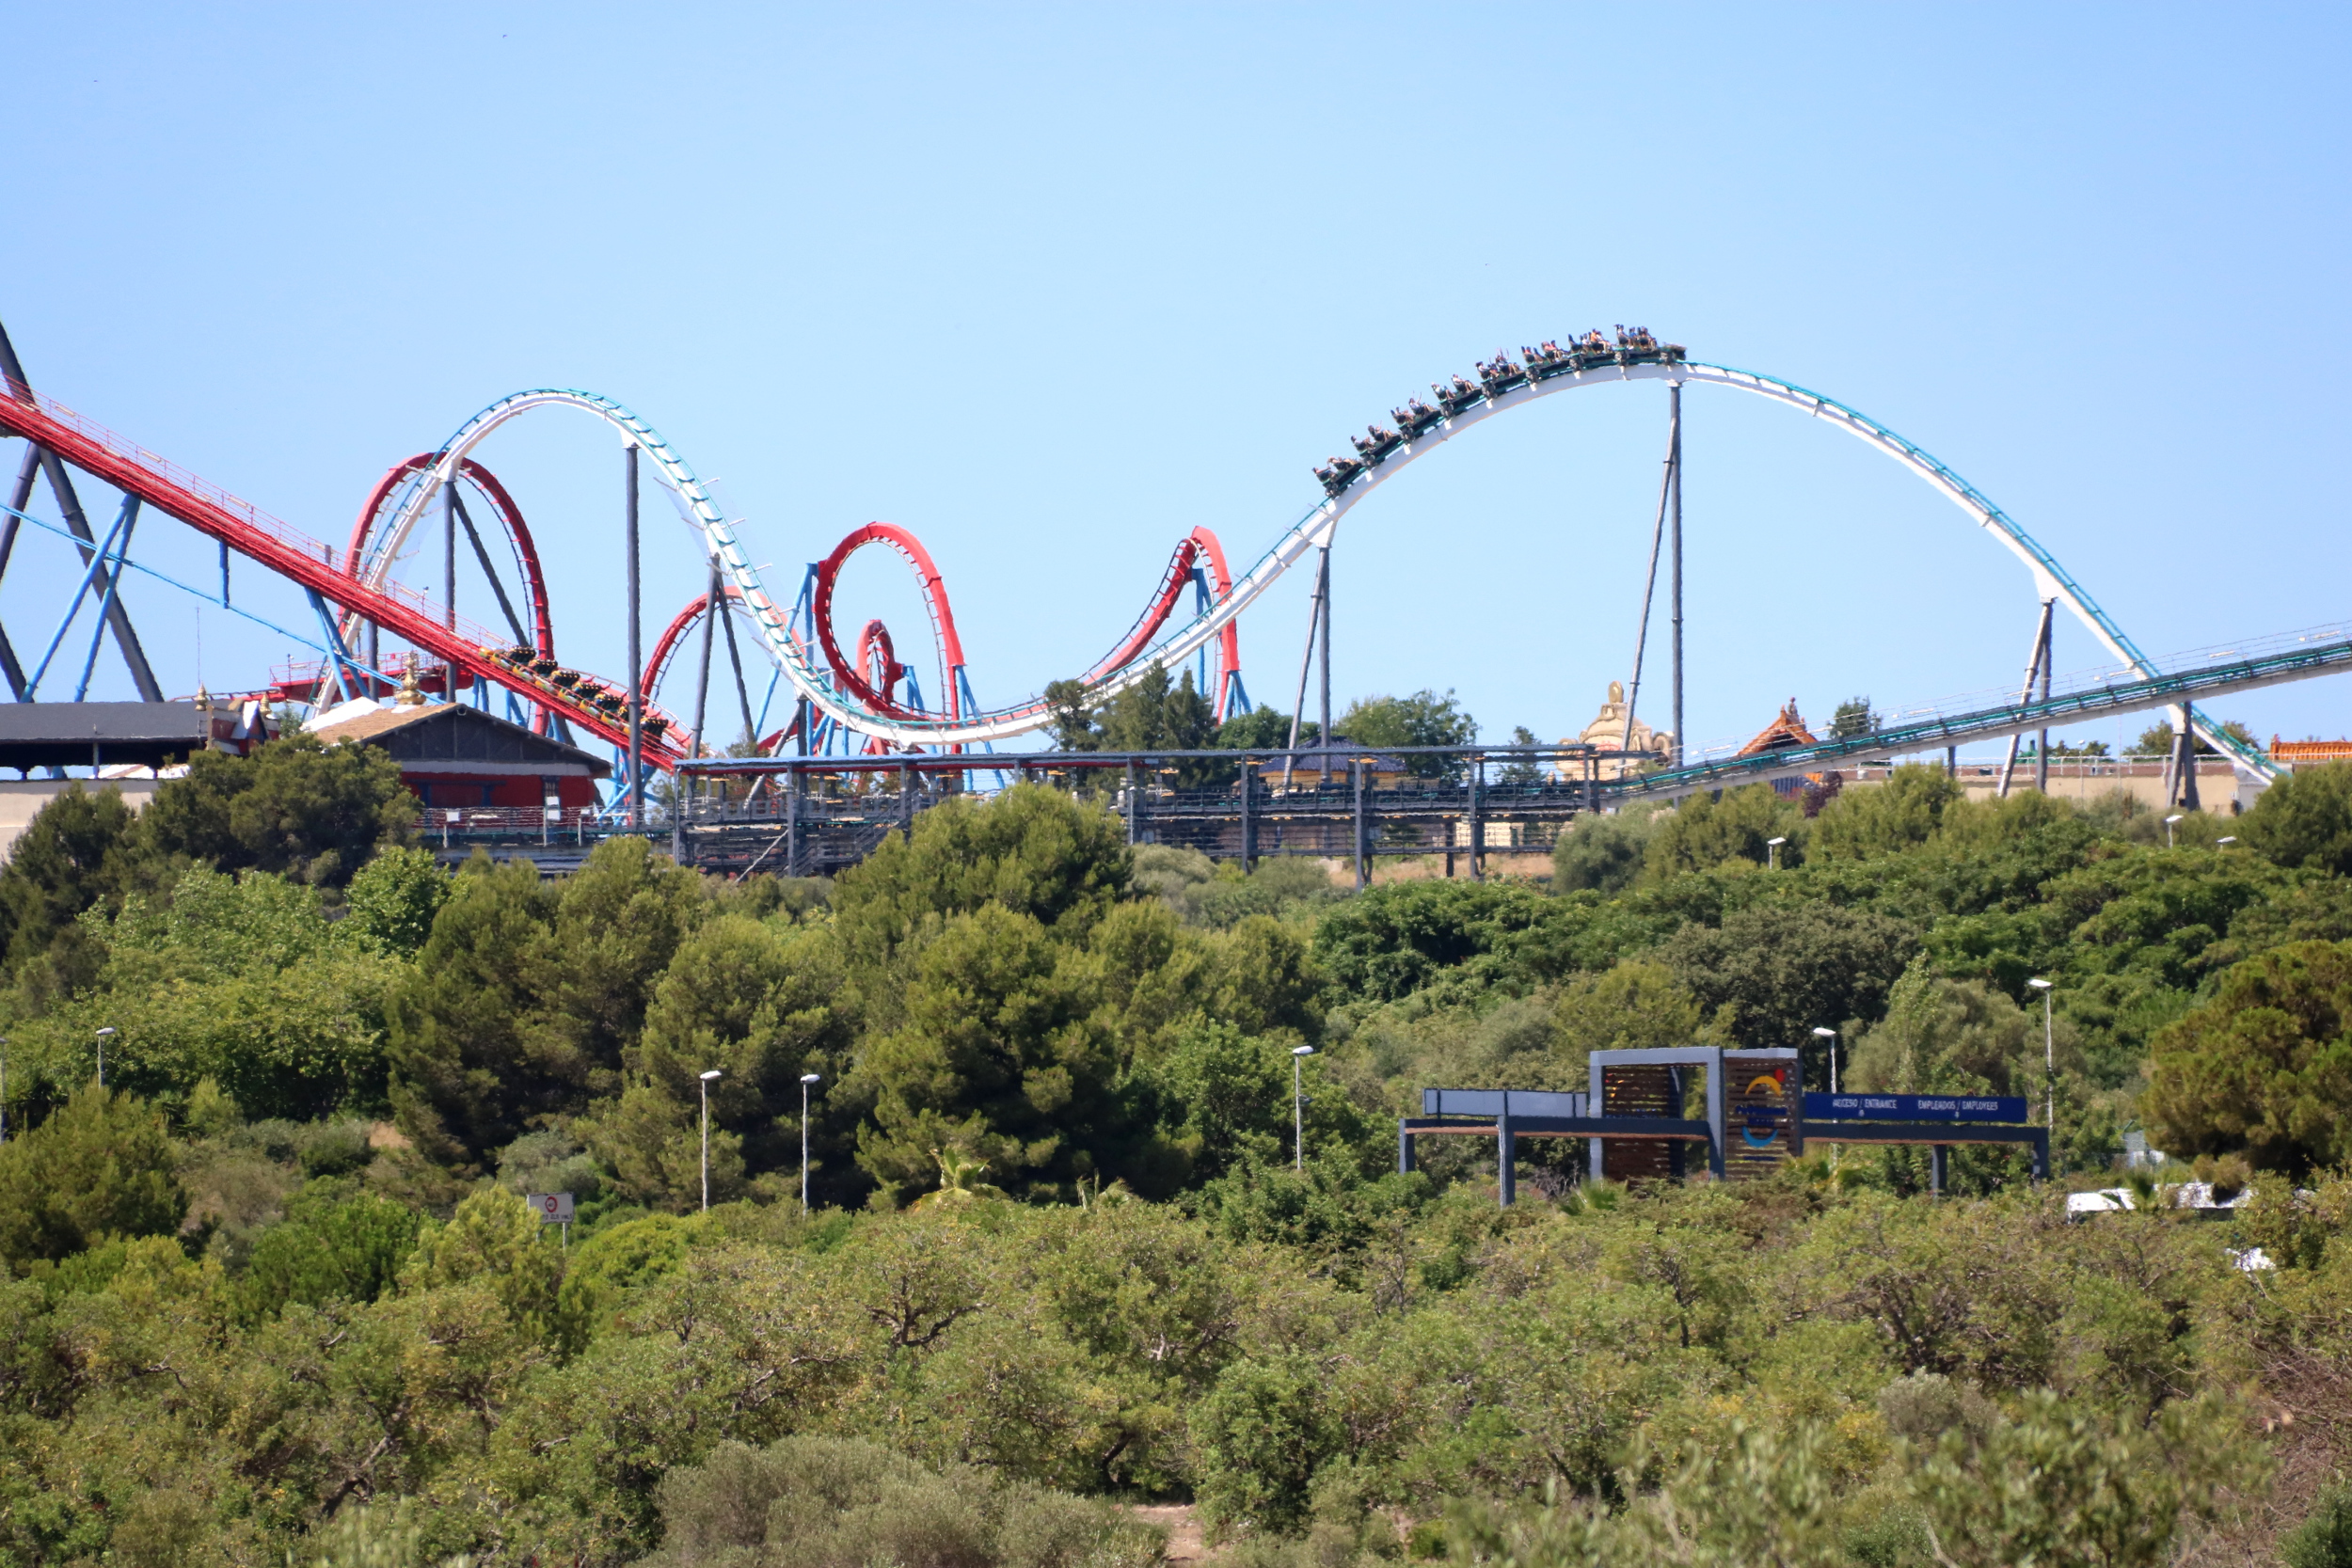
{"type": "Point", "coordinates": [1764, 1109]}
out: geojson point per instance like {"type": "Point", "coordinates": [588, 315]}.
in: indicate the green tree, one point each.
{"type": "Point", "coordinates": [75, 852]}
{"type": "Point", "coordinates": [493, 1240]}
{"type": "Point", "coordinates": [1782, 970]}
{"type": "Point", "coordinates": [2264, 1066]}
{"type": "Point", "coordinates": [469, 1071]}
{"type": "Point", "coordinates": [1002, 1054]}
{"type": "Point", "coordinates": [1261, 730]}
{"type": "Point", "coordinates": [1263, 1431]}
{"type": "Point", "coordinates": [1852, 720]}
{"type": "Point", "coordinates": [1031, 850]}
{"type": "Point", "coordinates": [763, 1007]}
{"type": "Point", "coordinates": [101, 1166]}
{"type": "Point", "coordinates": [524, 997]}
{"type": "Point", "coordinates": [242, 980]}
{"type": "Point", "coordinates": [331, 1248]}
{"type": "Point", "coordinates": [314, 813]}
{"type": "Point", "coordinates": [1705, 831]}
{"type": "Point", "coordinates": [395, 896]}
{"type": "Point", "coordinates": [2305, 820]}
{"type": "Point", "coordinates": [1603, 854]}
{"type": "Point", "coordinates": [1073, 711]}
{"type": "Point", "coordinates": [1423, 718]}
{"type": "Point", "coordinates": [1902, 814]}
{"type": "Point", "coordinates": [1520, 772]}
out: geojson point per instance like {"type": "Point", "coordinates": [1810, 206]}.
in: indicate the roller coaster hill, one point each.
{"type": "Point", "coordinates": [837, 747]}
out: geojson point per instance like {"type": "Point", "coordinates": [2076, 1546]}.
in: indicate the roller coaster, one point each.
{"type": "Point", "coordinates": [865, 700]}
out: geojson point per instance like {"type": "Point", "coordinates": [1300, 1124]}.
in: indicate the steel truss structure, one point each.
{"type": "Point", "coordinates": [831, 812]}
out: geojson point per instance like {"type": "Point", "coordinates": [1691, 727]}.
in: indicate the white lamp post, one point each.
{"type": "Point", "coordinates": [2225, 841]}
{"type": "Point", "coordinates": [2167, 828]}
{"type": "Point", "coordinates": [808, 1081]}
{"type": "Point", "coordinates": [102, 1054]}
{"type": "Point", "coordinates": [1772, 853]}
{"type": "Point", "coordinates": [1829, 1039]}
{"type": "Point", "coordinates": [706, 1078]}
{"type": "Point", "coordinates": [1298, 1106]}
{"type": "Point", "coordinates": [2049, 1056]}
{"type": "Point", "coordinates": [4, 1088]}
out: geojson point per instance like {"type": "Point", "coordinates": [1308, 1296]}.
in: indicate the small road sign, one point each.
{"type": "Point", "coordinates": [554, 1207]}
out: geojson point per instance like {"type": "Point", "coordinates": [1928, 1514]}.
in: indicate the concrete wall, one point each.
{"type": "Point", "coordinates": [20, 799]}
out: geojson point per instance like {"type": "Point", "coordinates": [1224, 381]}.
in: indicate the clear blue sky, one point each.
{"type": "Point", "coordinates": [1052, 285]}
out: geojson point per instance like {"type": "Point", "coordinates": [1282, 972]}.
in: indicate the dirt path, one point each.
{"type": "Point", "coordinates": [1183, 1529]}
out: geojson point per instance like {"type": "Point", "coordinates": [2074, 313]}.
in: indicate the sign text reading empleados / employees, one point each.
{"type": "Point", "coordinates": [1914, 1107]}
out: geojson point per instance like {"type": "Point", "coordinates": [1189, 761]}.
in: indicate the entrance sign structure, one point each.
{"type": "Point", "coordinates": [1757, 1118]}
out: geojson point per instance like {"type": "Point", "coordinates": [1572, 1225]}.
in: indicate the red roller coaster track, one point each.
{"type": "Point", "coordinates": [308, 562]}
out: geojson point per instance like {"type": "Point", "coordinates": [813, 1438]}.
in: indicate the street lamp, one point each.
{"type": "Point", "coordinates": [2049, 1056]}
{"type": "Point", "coordinates": [2225, 841]}
{"type": "Point", "coordinates": [1829, 1038]}
{"type": "Point", "coordinates": [102, 1054]}
{"type": "Point", "coordinates": [4, 1088]}
{"type": "Point", "coordinates": [706, 1078]}
{"type": "Point", "coordinates": [808, 1080]}
{"type": "Point", "coordinates": [1299, 1107]}
{"type": "Point", "coordinates": [2176, 816]}
{"type": "Point", "coordinates": [1772, 853]}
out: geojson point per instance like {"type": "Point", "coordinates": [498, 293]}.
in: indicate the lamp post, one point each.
{"type": "Point", "coordinates": [1772, 853]}
{"type": "Point", "coordinates": [2168, 828]}
{"type": "Point", "coordinates": [2225, 841]}
{"type": "Point", "coordinates": [2049, 1056]}
{"type": "Point", "coordinates": [102, 1054]}
{"type": "Point", "coordinates": [808, 1081]}
{"type": "Point", "coordinates": [1298, 1106]}
{"type": "Point", "coordinates": [1829, 1040]}
{"type": "Point", "coordinates": [706, 1078]}
{"type": "Point", "coordinates": [4, 1088]}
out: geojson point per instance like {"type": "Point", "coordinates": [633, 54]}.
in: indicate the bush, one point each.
{"type": "Point", "coordinates": [329, 1250]}
{"type": "Point", "coordinates": [2324, 1539]}
{"type": "Point", "coordinates": [101, 1166]}
{"type": "Point", "coordinates": [822, 1502]}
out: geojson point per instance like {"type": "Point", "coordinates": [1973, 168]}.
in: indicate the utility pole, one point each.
{"type": "Point", "coordinates": [808, 1080]}
{"type": "Point", "coordinates": [1298, 1106]}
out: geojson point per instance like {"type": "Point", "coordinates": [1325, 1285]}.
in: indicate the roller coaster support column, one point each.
{"type": "Point", "coordinates": [636, 658]}
{"type": "Point", "coordinates": [2180, 788]}
{"type": "Point", "coordinates": [1674, 468]}
{"type": "Point", "coordinates": [1306, 664]}
{"type": "Point", "coordinates": [70, 507]}
{"type": "Point", "coordinates": [714, 606]}
{"type": "Point", "coordinates": [1649, 586]}
{"type": "Point", "coordinates": [795, 787]}
{"type": "Point", "coordinates": [1477, 827]}
{"type": "Point", "coordinates": [1131, 799]}
{"type": "Point", "coordinates": [1323, 590]}
{"type": "Point", "coordinates": [1249, 815]}
{"type": "Point", "coordinates": [2037, 669]}
{"type": "Point", "coordinates": [1356, 777]}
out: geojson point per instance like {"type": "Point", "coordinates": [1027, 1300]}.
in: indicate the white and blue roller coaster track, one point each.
{"type": "Point", "coordinates": [2052, 582]}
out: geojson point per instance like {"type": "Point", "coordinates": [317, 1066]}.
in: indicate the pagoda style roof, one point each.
{"type": "Point", "coordinates": [1785, 731]}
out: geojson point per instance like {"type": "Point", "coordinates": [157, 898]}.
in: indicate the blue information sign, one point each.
{"type": "Point", "coordinates": [1914, 1107]}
